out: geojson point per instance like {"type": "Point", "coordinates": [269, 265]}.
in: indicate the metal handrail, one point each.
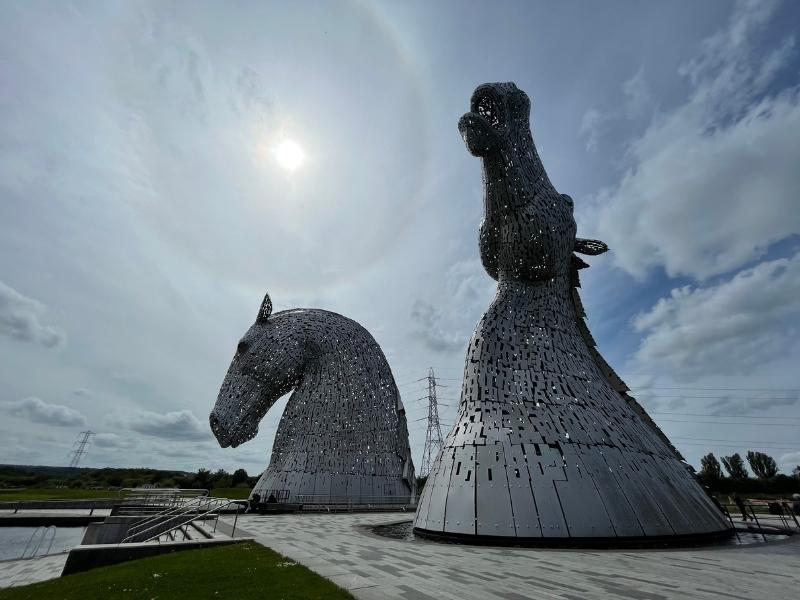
{"type": "Point", "coordinates": [152, 494]}
{"type": "Point", "coordinates": [165, 513]}
{"type": "Point", "coordinates": [730, 518]}
{"type": "Point", "coordinates": [44, 530]}
{"type": "Point", "coordinates": [193, 506]}
{"type": "Point", "coordinates": [755, 518]}
{"type": "Point", "coordinates": [225, 503]}
{"type": "Point", "coordinates": [352, 500]}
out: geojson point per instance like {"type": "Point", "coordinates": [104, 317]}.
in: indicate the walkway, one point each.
{"type": "Point", "coordinates": [340, 547]}
{"type": "Point", "coordinates": [31, 570]}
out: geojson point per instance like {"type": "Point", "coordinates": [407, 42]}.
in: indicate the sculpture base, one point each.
{"type": "Point", "coordinates": [663, 541]}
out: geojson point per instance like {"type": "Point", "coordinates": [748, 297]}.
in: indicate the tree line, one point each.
{"type": "Point", "coordinates": [14, 476]}
{"type": "Point", "coordinates": [767, 478]}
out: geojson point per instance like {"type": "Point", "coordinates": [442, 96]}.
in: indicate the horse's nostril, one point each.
{"type": "Point", "coordinates": [241, 348]}
{"type": "Point", "coordinates": [214, 421]}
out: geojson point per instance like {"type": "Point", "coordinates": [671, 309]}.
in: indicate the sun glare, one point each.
{"type": "Point", "coordinates": [289, 155]}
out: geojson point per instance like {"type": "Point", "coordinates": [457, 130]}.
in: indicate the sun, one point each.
{"type": "Point", "coordinates": [289, 155]}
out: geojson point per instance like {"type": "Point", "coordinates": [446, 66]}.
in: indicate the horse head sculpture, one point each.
{"type": "Point", "coordinates": [528, 231]}
{"type": "Point", "coordinates": [268, 364]}
{"type": "Point", "coordinates": [546, 444]}
{"type": "Point", "coordinates": [343, 432]}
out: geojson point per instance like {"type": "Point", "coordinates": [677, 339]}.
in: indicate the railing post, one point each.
{"type": "Point", "coordinates": [755, 518]}
{"type": "Point", "coordinates": [235, 520]}
{"type": "Point", "coordinates": [730, 518]}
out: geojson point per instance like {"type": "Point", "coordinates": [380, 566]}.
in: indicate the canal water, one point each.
{"type": "Point", "coordinates": [14, 539]}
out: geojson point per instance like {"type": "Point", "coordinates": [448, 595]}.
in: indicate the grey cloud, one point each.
{"type": "Point", "coordinates": [19, 319]}
{"type": "Point", "coordinates": [176, 425]}
{"type": "Point", "coordinates": [429, 329]}
{"type": "Point", "coordinates": [37, 410]}
{"type": "Point", "coordinates": [592, 125]}
{"type": "Point", "coordinates": [730, 328]}
{"type": "Point", "coordinates": [112, 441]}
{"type": "Point", "coordinates": [446, 328]}
{"type": "Point", "coordinates": [742, 406]}
{"type": "Point", "coordinates": [727, 156]}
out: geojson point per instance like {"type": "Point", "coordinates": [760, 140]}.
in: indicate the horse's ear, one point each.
{"type": "Point", "coordinates": [591, 247]}
{"type": "Point", "coordinates": [265, 311]}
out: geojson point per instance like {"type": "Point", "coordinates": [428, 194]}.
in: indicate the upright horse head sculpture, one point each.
{"type": "Point", "coordinates": [528, 232]}
{"type": "Point", "coordinates": [547, 445]}
{"type": "Point", "coordinates": [343, 432]}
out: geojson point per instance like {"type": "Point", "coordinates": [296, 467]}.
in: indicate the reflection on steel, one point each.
{"type": "Point", "coordinates": [547, 444]}
{"type": "Point", "coordinates": [343, 432]}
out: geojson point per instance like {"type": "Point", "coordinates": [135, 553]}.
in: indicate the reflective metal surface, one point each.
{"type": "Point", "coordinates": [546, 443]}
{"type": "Point", "coordinates": [343, 432]}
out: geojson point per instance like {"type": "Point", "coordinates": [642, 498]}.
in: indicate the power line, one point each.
{"type": "Point", "coordinates": [677, 437]}
{"type": "Point", "coordinates": [793, 448]}
{"type": "Point", "coordinates": [691, 389]}
{"type": "Point", "coordinates": [645, 395]}
{"type": "Point", "coordinates": [729, 423]}
{"type": "Point", "coordinates": [723, 416]}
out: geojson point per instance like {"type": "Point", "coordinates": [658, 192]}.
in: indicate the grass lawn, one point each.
{"type": "Point", "coordinates": [238, 572]}
{"type": "Point", "coordinates": [236, 493]}
{"type": "Point", "coordinates": [54, 494]}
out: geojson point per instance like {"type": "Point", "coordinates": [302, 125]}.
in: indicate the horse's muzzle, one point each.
{"type": "Point", "coordinates": [216, 429]}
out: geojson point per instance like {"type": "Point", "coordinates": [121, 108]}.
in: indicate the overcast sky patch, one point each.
{"type": "Point", "coordinates": [19, 319]}
{"type": "Point", "coordinates": [37, 410]}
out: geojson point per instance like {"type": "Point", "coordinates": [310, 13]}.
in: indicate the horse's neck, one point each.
{"type": "Point", "coordinates": [545, 304]}
{"type": "Point", "coordinates": [511, 181]}
{"type": "Point", "coordinates": [343, 374]}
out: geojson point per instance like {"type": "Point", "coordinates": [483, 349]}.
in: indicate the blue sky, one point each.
{"type": "Point", "coordinates": [143, 215]}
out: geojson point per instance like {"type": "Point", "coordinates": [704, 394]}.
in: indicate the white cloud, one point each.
{"type": "Point", "coordinates": [638, 97]}
{"type": "Point", "coordinates": [715, 181]}
{"type": "Point", "coordinates": [39, 411]}
{"type": "Point", "coordinates": [729, 328]}
{"type": "Point", "coordinates": [19, 319]}
{"type": "Point", "coordinates": [788, 462]}
{"type": "Point", "coordinates": [637, 101]}
{"type": "Point", "coordinates": [468, 290]}
{"type": "Point", "coordinates": [591, 126]}
{"type": "Point", "coordinates": [176, 425]}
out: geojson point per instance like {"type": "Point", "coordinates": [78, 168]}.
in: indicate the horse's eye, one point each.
{"type": "Point", "coordinates": [241, 348]}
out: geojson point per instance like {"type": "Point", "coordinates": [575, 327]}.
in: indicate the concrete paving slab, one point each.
{"type": "Point", "coordinates": [340, 544]}
{"type": "Point", "coordinates": [31, 570]}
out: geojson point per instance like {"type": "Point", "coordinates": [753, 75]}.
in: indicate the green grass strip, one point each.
{"type": "Point", "coordinates": [235, 572]}
{"type": "Point", "coordinates": [54, 494]}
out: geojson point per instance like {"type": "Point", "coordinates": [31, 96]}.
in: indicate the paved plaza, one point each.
{"type": "Point", "coordinates": [31, 570]}
{"type": "Point", "coordinates": [343, 548]}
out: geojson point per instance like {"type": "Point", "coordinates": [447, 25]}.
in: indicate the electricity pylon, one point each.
{"type": "Point", "coordinates": [80, 451]}
{"type": "Point", "coordinates": [433, 437]}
